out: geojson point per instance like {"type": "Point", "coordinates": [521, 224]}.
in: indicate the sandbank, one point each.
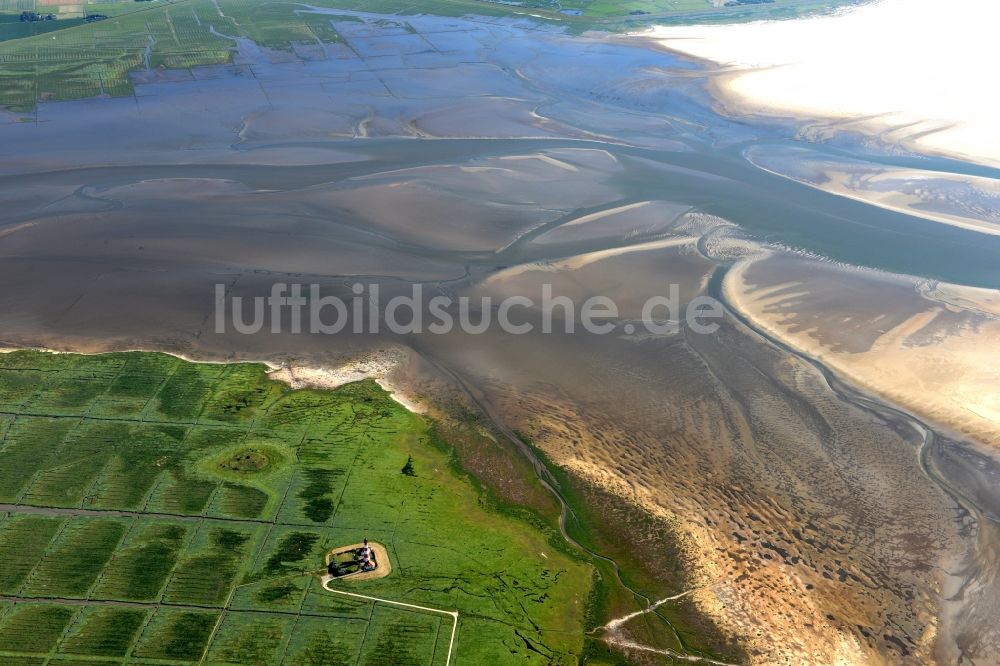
{"type": "Point", "coordinates": [919, 74]}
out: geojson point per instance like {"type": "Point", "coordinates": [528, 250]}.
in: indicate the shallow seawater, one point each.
{"type": "Point", "coordinates": [488, 156]}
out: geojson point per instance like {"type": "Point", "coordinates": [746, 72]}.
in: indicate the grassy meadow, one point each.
{"type": "Point", "coordinates": [157, 511]}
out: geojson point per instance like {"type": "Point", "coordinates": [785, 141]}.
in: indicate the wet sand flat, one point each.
{"type": "Point", "coordinates": [929, 354]}
{"type": "Point", "coordinates": [915, 72]}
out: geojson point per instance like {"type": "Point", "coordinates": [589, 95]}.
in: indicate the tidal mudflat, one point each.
{"type": "Point", "coordinates": [815, 514]}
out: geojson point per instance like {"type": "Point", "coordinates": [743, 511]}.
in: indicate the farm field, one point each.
{"type": "Point", "coordinates": [157, 511]}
